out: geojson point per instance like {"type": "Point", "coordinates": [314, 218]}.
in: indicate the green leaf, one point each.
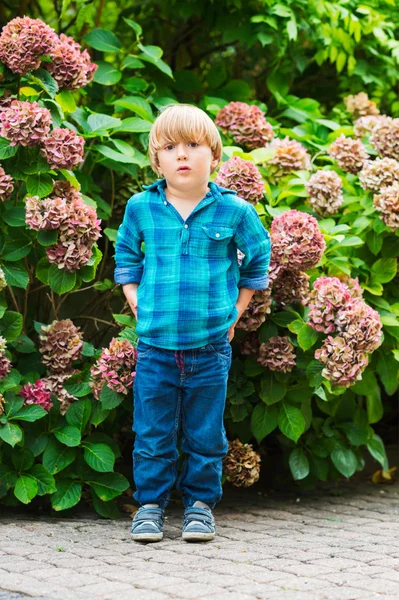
{"type": "Point", "coordinates": [272, 390]}
{"type": "Point", "coordinates": [107, 485]}
{"type": "Point", "coordinates": [384, 270]}
{"type": "Point", "coordinates": [66, 101]}
{"type": "Point", "coordinates": [124, 320]}
{"type": "Point", "coordinates": [23, 459]}
{"type": "Point", "coordinates": [103, 40]}
{"type": "Point", "coordinates": [8, 476]}
{"type": "Point", "coordinates": [16, 275]}
{"type": "Point", "coordinates": [30, 413]}
{"type": "Point", "coordinates": [344, 460]}
{"type": "Point", "coordinates": [374, 242]}
{"type": "Point", "coordinates": [56, 456]}
{"type": "Point", "coordinates": [78, 414]}
{"type": "Point", "coordinates": [26, 488]}
{"type": "Point", "coordinates": [387, 369]}
{"type": "Point", "coordinates": [136, 104]}
{"type": "Point", "coordinates": [15, 217]}
{"type": "Point", "coordinates": [135, 26]}
{"type": "Point", "coordinates": [36, 443]}
{"type": "Point", "coordinates": [42, 270]}
{"type": "Point", "coordinates": [160, 64]}
{"type": "Point", "coordinates": [61, 281]}
{"type": "Point", "coordinates": [314, 373]}
{"type": "Point", "coordinates": [299, 464]}
{"type": "Point", "coordinates": [98, 413]}
{"type": "Point", "coordinates": [45, 481]}
{"type": "Point", "coordinates": [132, 62]}
{"type": "Point", "coordinates": [101, 122]}
{"type": "Point", "coordinates": [39, 185]}
{"type": "Point", "coordinates": [307, 337]}
{"type": "Point", "coordinates": [375, 409]}
{"type": "Point", "coordinates": [109, 398]}
{"type": "Point", "coordinates": [356, 434]}
{"type": "Point", "coordinates": [291, 421]}
{"type": "Point", "coordinates": [99, 457]}
{"type": "Point", "coordinates": [106, 74]}
{"type": "Point", "coordinates": [47, 237]}
{"type": "Point", "coordinates": [68, 435]}
{"type": "Point", "coordinates": [67, 495]}
{"type": "Point", "coordinates": [43, 78]}
{"type": "Point", "coordinates": [116, 156]}
{"type": "Point", "coordinates": [264, 420]}
{"type": "Point", "coordinates": [377, 450]}
{"type": "Point", "coordinates": [134, 125]}
{"type": "Point", "coordinates": [9, 382]}
{"type": "Point", "coordinates": [17, 248]}
{"type": "Point", "coordinates": [7, 151]}
{"type": "Point", "coordinates": [11, 325]}
{"type": "Point", "coordinates": [108, 510]}
{"type": "Point", "coordinates": [319, 467]}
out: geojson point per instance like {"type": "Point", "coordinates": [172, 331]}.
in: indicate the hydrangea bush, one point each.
{"type": "Point", "coordinates": [315, 355]}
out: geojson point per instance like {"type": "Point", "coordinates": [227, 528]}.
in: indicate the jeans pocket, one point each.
{"type": "Point", "coordinates": [222, 348]}
{"type": "Point", "coordinates": [143, 349]}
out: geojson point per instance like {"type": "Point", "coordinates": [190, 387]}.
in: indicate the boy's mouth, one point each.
{"type": "Point", "coordinates": [183, 169]}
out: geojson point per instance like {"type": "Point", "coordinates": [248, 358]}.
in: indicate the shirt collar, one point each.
{"type": "Point", "coordinates": [215, 189]}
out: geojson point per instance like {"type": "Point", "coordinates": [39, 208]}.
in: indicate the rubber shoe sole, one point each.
{"type": "Point", "coordinates": [196, 536]}
{"type": "Point", "coordinates": [198, 525]}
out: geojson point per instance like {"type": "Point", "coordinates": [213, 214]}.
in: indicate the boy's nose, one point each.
{"type": "Point", "coordinates": [181, 151]}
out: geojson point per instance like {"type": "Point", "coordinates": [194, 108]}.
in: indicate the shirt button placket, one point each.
{"type": "Point", "coordinates": [185, 237]}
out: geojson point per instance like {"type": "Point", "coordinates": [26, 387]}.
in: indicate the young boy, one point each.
{"type": "Point", "coordinates": [191, 294]}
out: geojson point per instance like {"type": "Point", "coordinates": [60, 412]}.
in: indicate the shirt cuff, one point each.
{"type": "Point", "coordinates": [254, 283]}
{"type": "Point", "coordinates": [125, 275]}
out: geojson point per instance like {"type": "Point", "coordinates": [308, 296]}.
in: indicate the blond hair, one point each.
{"type": "Point", "coordinates": [183, 122]}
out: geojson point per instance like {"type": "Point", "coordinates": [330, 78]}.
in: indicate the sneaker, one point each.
{"type": "Point", "coordinates": [199, 524]}
{"type": "Point", "coordinates": [148, 523]}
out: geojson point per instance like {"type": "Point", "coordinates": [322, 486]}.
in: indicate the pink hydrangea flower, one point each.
{"type": "Point", "coordinates": [246, 123]}
{"type": "Point", "coordinates": [297, 241]}
{"type": "Point", "coordinates": [45, 213]}
{"type": "Point", "coordinates": [114, 368]}
{"type": "Point", "coordinates": [63, 149]}
{"type": "Point", "coordinates": [25, 123]}
{"type": "Point", "coordinates": [23, 42]}
{"type": "Point", "coordinates": [36, 393]}
{"type": "Point", "coordinates": [6, 185]}
{"type": "Point", "coordinates": [71, 68]}
{"type": "Point", "coordinates": [243, 177]}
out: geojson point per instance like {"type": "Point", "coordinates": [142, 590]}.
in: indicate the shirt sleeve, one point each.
{"type": "Point", "coordinates": [129, 257]}
{"type": "Point", "coordinates": [253, 240]}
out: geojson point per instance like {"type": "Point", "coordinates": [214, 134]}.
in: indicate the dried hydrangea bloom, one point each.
{"type": "Point", "coordinates": [387, 203]}
{"type": "Point", "coordinates": [344, 364]}
{"type": "Point", "coordinates": [6, 185]}
{"type": "Point", "coordinates": [329, 295]}
{"type": "Point", "coordinates": [114, 368]}
{"type": "Point", "coordinates": [5, 365]}
{"type": "Point", "coordinates": [23, 41]}
{"type": "Point", "coordinates": [71, 68]}
{"type": "Point", "coordinates": [36, 393]}
{"type": "Point", "coordinates": [45, 213]}
{"type": "Point", "coordinates": [2, 404]}
{"type": "Point", "coordinates": [250, 344]}
{"type": "Point", "coordinates": [64, 189]}
{"type": "Point", "coordinates": [3, 282]}
{"type": "Point", "coordinates": [361, 325]}
{"type": "Point", "coordinates": [61, 344]}
{"type": "Point", "coordinates": [325, 192]}
{"type": "Point", "coordinates": [277, 354]}
{"type": "Point", "coordinates": [25, 123]}
{"type": "Point", "coordinates": [365, 125]}
{"type": "Point", "coordinates": [6, 99]}
{"type": "Point", "coordinates": [241, 464]}
{"type": "Point", "coordinates": [291, 287]}
{"type": "Point", "coordinates": [353, 285]}
{"type": "Point", "coordinates": [63, 149]}
{"type": "Point", "coordinates": [379, 173]}
{"type": "Point", "coordinates": [77, 235]}
{"type": "Point", "coordinates": [258, 308]}
{"type": "Point", "coordinates": [349, 153]}
{"type": "Point", "coordinates": [54, 383]}
{"type": "Point", "coordinates": [360, 105]}
{"type": "Point", "coordinates": [243, 177]}
{"type": "Point", "coordinates": [246, 123]}
{"type": "Point", "coordinates": [385, 138]}
{"type": "Point", "coordinates": [289, 155]}
{"type": "Point", "coordinates": [297, 242]}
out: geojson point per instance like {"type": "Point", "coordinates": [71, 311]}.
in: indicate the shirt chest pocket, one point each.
{"type": "Point", "coordinates": [212, 241]}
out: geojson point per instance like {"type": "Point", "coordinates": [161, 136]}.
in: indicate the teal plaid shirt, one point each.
{"type": "Point", "coordinates": [189, 273]}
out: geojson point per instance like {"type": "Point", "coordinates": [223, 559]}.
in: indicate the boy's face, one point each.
{"type": "Point", "coordinates": [196, 158]}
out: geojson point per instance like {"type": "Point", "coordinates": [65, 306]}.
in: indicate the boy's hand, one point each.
{"type": "Point", "coordinates": [130, 291]}
{"type": "Point", "coordinates": [232, 327]}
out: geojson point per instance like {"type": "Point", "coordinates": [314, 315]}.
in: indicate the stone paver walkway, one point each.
{"type": "Point", "coordinates": [336, 544]}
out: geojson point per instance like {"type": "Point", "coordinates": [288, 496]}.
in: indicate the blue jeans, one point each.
{"type": "Point", "coordinates": [180, 390]}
